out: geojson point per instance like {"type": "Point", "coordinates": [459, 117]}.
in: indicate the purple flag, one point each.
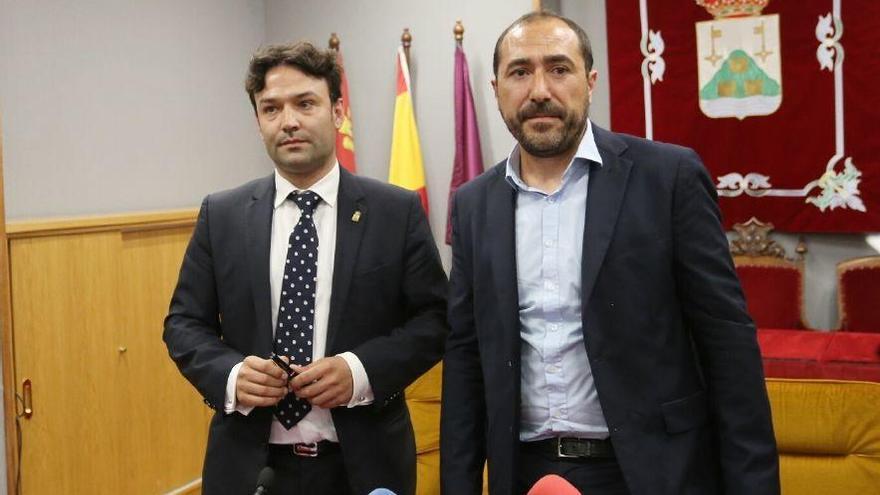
{"type": "Point", "coordinates": [468, 155]}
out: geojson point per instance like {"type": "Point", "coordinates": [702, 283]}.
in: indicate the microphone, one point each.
{"type": "Point", "coordinates": [553, 485]}
{"type": "Point", "coordinates": [265, 481]}
{"type": "Point", "coordinates": [382, 491]}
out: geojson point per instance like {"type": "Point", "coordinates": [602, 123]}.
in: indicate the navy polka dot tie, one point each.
{"type": "Point", "coordinates": [296, 311]}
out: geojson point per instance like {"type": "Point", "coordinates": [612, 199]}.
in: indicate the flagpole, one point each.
{"type": "Point", "coordinates": [406, 41]}
{"type": "Point", "coordinates": [458, 31]}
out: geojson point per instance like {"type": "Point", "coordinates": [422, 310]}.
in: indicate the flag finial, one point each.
{"type": "Point", "coordinates": [406, 41]}
{"type": "Point", "coordinates": [458, 31]}
{"type": "Point", "coordinates": [334, 42]}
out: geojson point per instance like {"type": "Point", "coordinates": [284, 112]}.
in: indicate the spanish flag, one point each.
{"type": "Point", "coordinates": [406, 168]}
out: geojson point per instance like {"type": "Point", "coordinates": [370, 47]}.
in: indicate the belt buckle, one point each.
{"type": "Point", "coordinates": [306, 449]}
{"type": "Point", "coordinates": [562, 454]}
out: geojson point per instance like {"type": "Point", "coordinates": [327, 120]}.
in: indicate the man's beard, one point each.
{"type": "Point", "coordinates": [550, 142]}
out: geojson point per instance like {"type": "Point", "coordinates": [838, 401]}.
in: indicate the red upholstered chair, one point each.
{"type": "Point", "coordinates": [858, 294]}
{"type": "Point", "coordinates": [773, 284]}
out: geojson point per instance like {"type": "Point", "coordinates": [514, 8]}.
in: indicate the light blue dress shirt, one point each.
{"type": "Point", "coordinates": [558, 393]}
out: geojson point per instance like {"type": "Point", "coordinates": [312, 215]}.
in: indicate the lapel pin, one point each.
{"type": "Point", "coordinates": [356, 216]}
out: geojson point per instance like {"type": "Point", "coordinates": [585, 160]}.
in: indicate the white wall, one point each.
{"type": "Point", "coordinates": [113, 106]}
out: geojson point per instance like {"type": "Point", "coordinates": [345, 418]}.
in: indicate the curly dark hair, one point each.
{"type": "Point", "coordinates": [303, 56]}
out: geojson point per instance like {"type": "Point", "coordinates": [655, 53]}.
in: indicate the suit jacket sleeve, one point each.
{"type": "Point", "coordinates": [724, 335]}
{"type": "Point", "coordinates": [192, 327]}
{"type": "Point", "coordinates": [463, 416]}
{"type": "Point", "coordinates": [395, 360]}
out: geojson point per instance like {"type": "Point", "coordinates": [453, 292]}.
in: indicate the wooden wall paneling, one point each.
{"type": "Point", "coordinates": [169, 420]}
{"type": "Point", "coordinates": [111, 412]}
{"type": "Point", "coordinates": [125, 222]}
{"type": "Point", "coordinates": [65, 336]}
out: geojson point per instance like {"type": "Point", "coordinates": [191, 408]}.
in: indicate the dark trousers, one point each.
{"type": "Point", "coordinates": [590, 476]}
{"type": "Point", "coordinates": [296, 475]}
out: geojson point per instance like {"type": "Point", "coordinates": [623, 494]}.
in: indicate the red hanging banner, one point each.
{"type": "Point", "coordinates": [761, 89]}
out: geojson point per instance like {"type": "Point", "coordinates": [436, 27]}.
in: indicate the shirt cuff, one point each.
{"type": "Point", "coordinates": [230, 405]}
{"type": "Point", "coordinates": [362, 392]}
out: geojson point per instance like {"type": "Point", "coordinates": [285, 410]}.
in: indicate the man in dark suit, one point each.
{"type": "Point", "coordinates": [335, 274]}
{"type": "Point", "coordinates": [597, 327]}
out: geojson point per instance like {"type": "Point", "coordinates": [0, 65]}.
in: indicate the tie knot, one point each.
{"type": "Point", "coordinates": [306, 200]}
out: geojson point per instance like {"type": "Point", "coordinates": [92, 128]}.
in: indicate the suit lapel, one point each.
{"type": "Point", "coordinates": [349, 233]}
{"type": "Point", "coordinates": [606, 190]}
{"type": "Point", "coordinates": [501, 233]}
{"type": "Point", "coordinates": [258, 228]}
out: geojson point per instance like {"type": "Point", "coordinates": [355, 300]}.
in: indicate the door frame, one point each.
{"type": "Point", "coordinates": [8, 355]}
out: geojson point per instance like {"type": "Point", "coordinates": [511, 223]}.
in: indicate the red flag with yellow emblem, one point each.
{"type": "Point", "coordinates": [345, 136]}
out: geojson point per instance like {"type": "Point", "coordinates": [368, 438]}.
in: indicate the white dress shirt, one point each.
{"type": "Point", "coordinates": [317, 425]}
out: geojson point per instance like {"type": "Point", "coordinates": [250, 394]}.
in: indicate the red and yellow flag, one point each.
{"type": "Point", "coordinates": [406, 169]}
{"type": "Point", "coordinates": [345, 136]}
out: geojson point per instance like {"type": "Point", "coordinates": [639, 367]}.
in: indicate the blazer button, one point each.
{"type": "Point", "coordinates": [510, 364]}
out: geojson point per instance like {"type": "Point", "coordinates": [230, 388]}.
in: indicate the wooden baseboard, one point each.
{"type": "Point", "coordinates": [191, 488]}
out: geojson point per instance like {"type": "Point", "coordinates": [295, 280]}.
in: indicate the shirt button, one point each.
{"type": "Point", "coordinates": [551, 199]}
{"type": "Point", "coordinates": [554, 327]}
{"type": "Point", "coordinates": [549, 243]}
{"type": "Point", "coordinates": [552, 369]}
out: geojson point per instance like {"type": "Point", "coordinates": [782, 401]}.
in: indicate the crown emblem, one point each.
{"type": "Point", "coordinates": [733, 8]}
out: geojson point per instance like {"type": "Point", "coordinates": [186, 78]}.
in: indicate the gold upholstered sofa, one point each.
{"type": "Point", "coordinates": [828, 434]}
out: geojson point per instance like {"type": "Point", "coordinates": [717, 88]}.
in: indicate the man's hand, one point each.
{"type": "Point", "coordinates": [260, 383]}
{"type": "Point", "coordinates": [325, 383]}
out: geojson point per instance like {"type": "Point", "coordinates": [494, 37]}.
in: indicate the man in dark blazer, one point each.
{"type": "Point", "coordinates": [597, 327]}
{"type": "Point", "coordinates": [335, 274]}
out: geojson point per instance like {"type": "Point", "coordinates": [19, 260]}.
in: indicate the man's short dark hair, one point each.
{"type": "Point", "coordinates": [303, 56]}
{"type": "Point", "coordinates": [586, 50]}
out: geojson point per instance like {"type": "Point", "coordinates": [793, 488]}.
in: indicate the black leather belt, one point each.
{"type": "Point", "coordinates": [323, 447]}
{"type": "Point", "coordinates": [572, 448]}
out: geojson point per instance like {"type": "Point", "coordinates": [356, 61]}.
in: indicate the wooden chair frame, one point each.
{"type": "Point", "coordinates": [753, 247]}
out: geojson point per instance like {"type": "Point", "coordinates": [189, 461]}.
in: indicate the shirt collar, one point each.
{"type": "Point", "coordinates": [586, 152]}
{"type": "Point", "coordinates": [327, 187]}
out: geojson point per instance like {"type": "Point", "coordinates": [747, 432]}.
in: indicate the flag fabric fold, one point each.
{"type": "Point", "coordinates": [345, 136]}
{"type": "Point", "coordinates": [406, 169]}
{"type": "Point", "coordinates": [468, 161]}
